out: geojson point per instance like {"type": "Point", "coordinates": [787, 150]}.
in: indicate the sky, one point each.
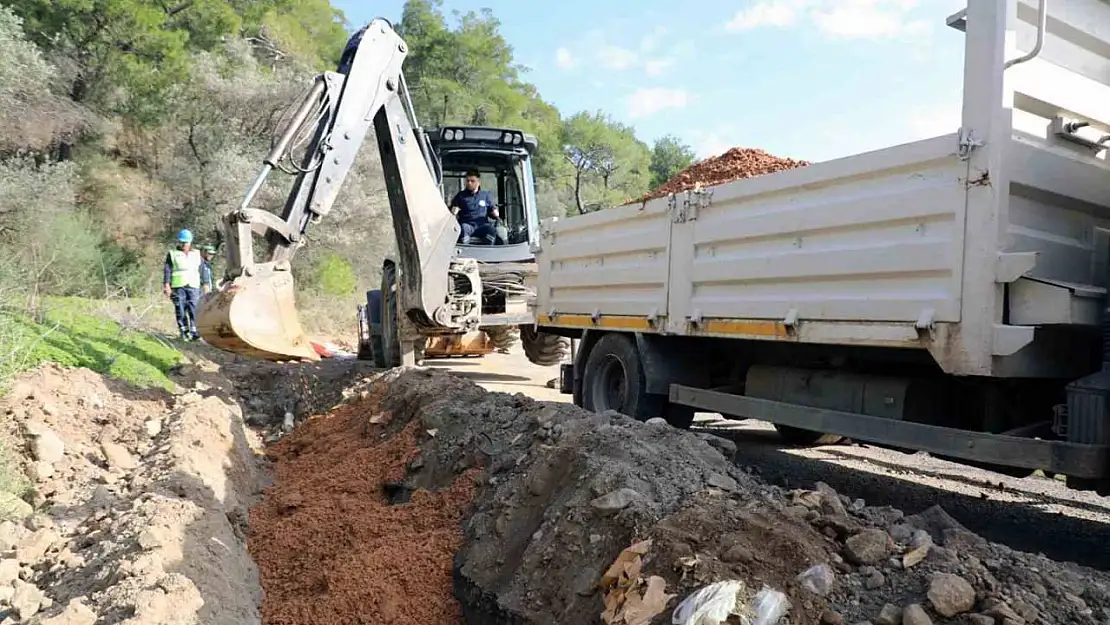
{"type": "Point", "coordinates": [809, 79]}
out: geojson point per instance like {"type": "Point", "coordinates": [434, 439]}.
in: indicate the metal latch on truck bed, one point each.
{"type": "Point", "coordinates": [692, 202]}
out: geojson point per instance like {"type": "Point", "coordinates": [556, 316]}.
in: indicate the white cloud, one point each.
{"type": "Point", "coordinates": [647, 102]}
{"type": "Point", "coordinates": [618, 58]}
{"type": "Point", "coordinates": [656, 67]}
{"type": "Point", "coordinates": [564, 59]}
{"type": "Point", "coordinates": [775, 13]}
{"type": "Point", "coordinates": [849, 19]}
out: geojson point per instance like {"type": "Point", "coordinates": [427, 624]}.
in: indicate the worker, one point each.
{"type": "Point", "coordinates": [181, 283]}
{"type": "Point", "coordinates": [474, 208]}
{"type": "Point", "coordinates": [206, 254]}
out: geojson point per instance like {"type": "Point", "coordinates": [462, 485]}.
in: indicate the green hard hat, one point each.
{"type": "Point", "coordinates": [210, 249]}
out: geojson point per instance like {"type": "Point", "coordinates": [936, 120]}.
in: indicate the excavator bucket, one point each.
{"type": "Point", "coordinates": [256, 317]}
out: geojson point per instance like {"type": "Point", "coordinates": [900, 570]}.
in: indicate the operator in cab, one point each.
{"type": "Point", "coordinates": [477, 214]}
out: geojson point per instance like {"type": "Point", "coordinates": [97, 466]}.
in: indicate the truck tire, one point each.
{"type": "Point", "coordinates": [374, 317]}
{"type": "Point", "coordinates": [614, 380]}
{"type": "Point", "coordinates": [502, 337]}
{"type": "Point", "coordinates": [543, 349]}
{"type": "Point", "coordinates": [391, 340]}
{"type": "Point", "coordinates": [798, 436]}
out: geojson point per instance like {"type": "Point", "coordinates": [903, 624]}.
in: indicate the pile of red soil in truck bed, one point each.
{"type": "Point", "coordinates": [735, 164]}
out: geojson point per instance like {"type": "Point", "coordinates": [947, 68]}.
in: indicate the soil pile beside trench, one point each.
{"type": "Point", "coordinates": [517, 508]}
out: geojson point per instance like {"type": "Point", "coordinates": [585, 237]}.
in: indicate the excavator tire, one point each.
{"type": "Point", "coordinates": [374, 317]}
{"type": "Point", "coordinates": [502, 337]}
{"type": "Point", "coordinates": [546, 350]}
{"type": "Point", "coordinates": [391, 339]}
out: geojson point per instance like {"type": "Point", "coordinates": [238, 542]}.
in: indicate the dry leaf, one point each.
{"type": "Point", "coordinates": [915, 557]}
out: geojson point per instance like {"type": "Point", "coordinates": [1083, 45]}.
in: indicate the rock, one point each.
{"type": "Point", "coordinates": [889, 615]}
{"type": "Point", "coordinates": [656, 421]}
{"type": "Point", "coordinates": [42, 470]}
{"type": "Point", "coordinates": [153, 427]}
{"type": "Point", "coordinates": [614, 501]}
{"type": "Point", "coordinates": [737, 553]}
{"type": "Point", "coordinates": [723, 445]}
{"type": "Point", "coordinates": [26, 600]}
{"type": "Point", "coordinates": [117, 456]}
{"type": "Point", "coordinates": [914, 614]}
{"type": "Point", "coordinates": [950, 594]}
{"type": "Point", "coordinates": [934, 520]}
{"type": "Point", "coordinates": [979, 619]}
{"type": "Point", "coordinates": [723, 482]}
{"type": "Point", "coordinates": [12, 507]}
{"type": "Point", "coordinates": [7, 591]}
{"type": "Point", "coordinates": [919, 539]}
{"type": "Point", "coordinates": [870, 546]}
{"type": "Point", "coordinates": [287, 422]}
{"type": "Point", "coordinates": [828, 617]}
{"type": "Point", "coordinates": [32, 548]}
{"type": "Point", "coordinates": [830, 500]}
{"type": "Point", "coordinates": [873, 579]}
{"type": "Point", "coordinates": [962, 540]}
{"type": "Point", "coordinates": [76, 613]}
{"type": "Point", "coordinates": [1029, 613]}
{"type": "Point", "coordinates": [10, 535]}
{"type": "Point", "coordinates": [9, 571]}
{"type": "Point", "coordinates": [46, 445]}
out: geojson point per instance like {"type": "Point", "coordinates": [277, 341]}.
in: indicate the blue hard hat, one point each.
{"type": "Point", "coordinates": [185, 236]}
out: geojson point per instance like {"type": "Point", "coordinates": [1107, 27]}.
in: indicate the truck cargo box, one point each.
{"type": "Point", "coordinates": [987, 246]}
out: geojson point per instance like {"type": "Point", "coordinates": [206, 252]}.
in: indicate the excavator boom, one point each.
{"type": "Point", "coordinates": [254, 312]}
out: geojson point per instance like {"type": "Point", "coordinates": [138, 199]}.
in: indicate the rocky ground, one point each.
{"type": "Point", "coordinates": [352, 496]}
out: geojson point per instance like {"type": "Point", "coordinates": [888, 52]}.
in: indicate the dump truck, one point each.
{"type": "Point", "coordinates": [437, 293]}
{"type": "Point", "coordinates": [947, 295]}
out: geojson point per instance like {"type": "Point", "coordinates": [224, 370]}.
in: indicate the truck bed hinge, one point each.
{"type": "Point", "coordinates": [693, 202]}
{"type": "Point", "coordinates": [967, 143]}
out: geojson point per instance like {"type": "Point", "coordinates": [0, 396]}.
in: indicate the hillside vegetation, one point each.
{"type": "Point", "coordinates": [122, 121]}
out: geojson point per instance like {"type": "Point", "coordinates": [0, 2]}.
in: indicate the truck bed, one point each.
{"type": "Point", "coordinates": [986, 246]}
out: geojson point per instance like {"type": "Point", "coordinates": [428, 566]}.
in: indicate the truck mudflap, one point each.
{"type": "Point", "coordinates": [1087, 464]}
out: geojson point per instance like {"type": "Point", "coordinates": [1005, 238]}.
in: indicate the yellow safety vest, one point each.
{"type": "Point", "coordinates": [185, 269]}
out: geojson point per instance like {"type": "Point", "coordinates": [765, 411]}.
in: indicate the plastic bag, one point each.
{"type": "Point", "coordinates": [818, 579]}
{"type": "Point", "coordinates": [713, 604]}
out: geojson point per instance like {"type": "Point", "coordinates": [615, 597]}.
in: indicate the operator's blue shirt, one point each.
{"type": "Point", "coordinates": [473, 207]}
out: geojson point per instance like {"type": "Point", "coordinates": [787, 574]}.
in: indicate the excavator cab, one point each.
{"type": "Point", "coordinates": [503, 158]}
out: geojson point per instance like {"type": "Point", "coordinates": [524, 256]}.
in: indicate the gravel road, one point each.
{"type": "Point", "coordinates": [1034, 514]}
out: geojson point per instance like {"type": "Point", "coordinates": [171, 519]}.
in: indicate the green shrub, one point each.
{"type": "Point", "coordinates": [334, 276]}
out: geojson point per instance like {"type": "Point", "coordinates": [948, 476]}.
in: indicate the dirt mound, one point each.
{"type": "Point", "coordinates": [735, 164]}
{"type": "Point", "coordinates": [140, 505]}
{"type": "Point", "coordinates": [563, 492]}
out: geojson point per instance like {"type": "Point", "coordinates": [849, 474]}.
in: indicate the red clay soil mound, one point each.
{"type": "Point", "coordinates": [735, 164]}
{"type": "Point", "coordinates": [330, 546]}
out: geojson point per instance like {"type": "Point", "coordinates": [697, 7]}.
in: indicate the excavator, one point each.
{"type": "Point", "coordinates": [436, 294]}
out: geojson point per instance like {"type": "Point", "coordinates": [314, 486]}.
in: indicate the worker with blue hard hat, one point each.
{"type": "Point", "coordinates": [181, 283]}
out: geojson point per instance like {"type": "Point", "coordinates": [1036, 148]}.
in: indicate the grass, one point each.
{"type": "Point", "coordinates": [75, 332]}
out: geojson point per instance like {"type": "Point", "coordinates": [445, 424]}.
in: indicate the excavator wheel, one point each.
{"type": "Point", "coordinates": [256, 316]}
{"type": "Point", "coordinates": [546, 350]}
{"type": "Point", "coordinates": [502, 337]}
{"type": "Point", "coordinates": [391, 339]}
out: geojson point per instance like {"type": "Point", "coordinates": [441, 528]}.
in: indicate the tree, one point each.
{"type": "Point", "coordinates": [668, 157]}
{"type": "Point", "coordinates": [609, 164]}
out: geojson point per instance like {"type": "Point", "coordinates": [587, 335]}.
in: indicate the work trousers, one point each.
{"type": "Point", "coordinates": [488, 233]}
{"type": "Point", "coordinates": [185, 300]}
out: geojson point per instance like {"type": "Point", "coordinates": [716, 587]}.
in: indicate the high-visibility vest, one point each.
{"type": "Point", "coordinates": [185, 269]}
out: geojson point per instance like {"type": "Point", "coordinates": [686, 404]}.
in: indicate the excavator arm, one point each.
{"type": "Point", "coordinates": [254, 313]}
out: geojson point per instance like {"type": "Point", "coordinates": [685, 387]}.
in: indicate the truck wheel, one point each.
{"type": "Point", "coordinates": [541, 348]}
{"type": "Point", "coordinates": [374, 317]}
{"type": "Point", "coordinates": [798, 436]}
{"type": "Point", "coordinates": [614, 380]}
{"type": "Point", "coordinates": [502, 337]}
{"type": "Point", "coordinates": [391, 340]}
